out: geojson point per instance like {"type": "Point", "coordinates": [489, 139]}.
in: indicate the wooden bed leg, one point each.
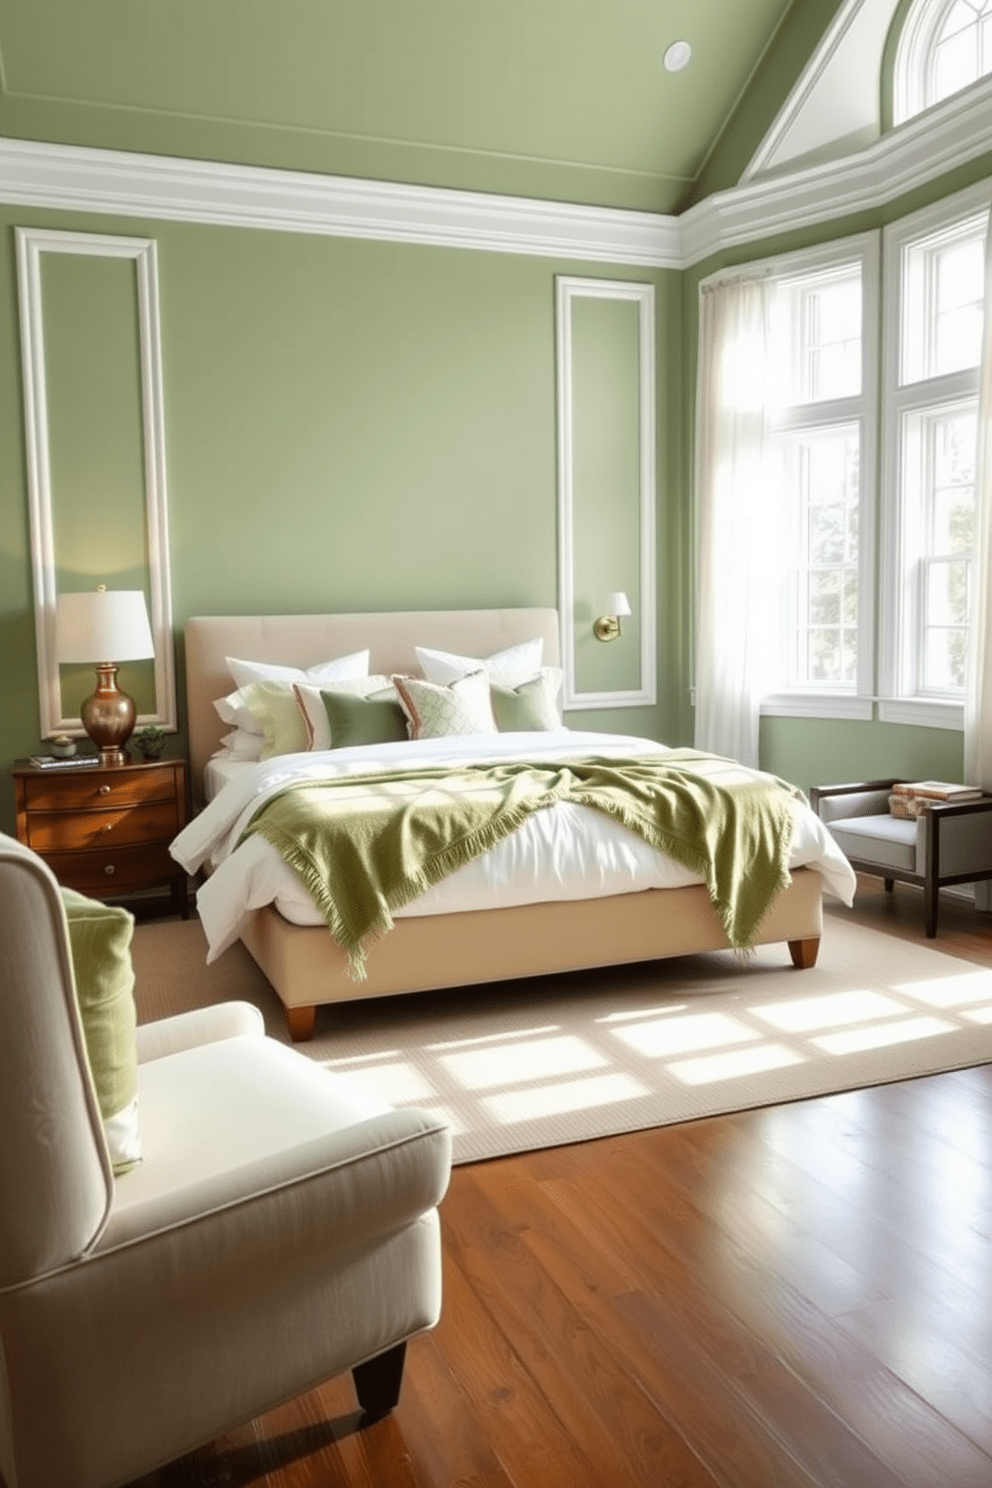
{"type": "Point", "coordinates": [301, 1022]}
{"type": "Point", "coordinates": [804, 952]}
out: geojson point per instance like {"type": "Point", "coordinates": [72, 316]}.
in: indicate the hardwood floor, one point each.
{"type": "Point", "coordinates": [793, 1296]}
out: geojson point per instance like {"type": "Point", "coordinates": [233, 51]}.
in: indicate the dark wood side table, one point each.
{"type": "Point", "coordinates": [105, 830]}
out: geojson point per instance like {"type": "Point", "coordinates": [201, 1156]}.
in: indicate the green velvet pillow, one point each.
{"type": "Point", "coordinates": [530, 708]}
{"type": "Point", "coordinates": [100, 942]}
{"type": "Point", "coordinates": [376, 719]}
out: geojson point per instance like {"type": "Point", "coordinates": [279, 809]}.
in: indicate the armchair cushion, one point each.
{"type": "Point", "coordinates": [889, 841]}
{"type": "Point", "coordinates": [100, 944]}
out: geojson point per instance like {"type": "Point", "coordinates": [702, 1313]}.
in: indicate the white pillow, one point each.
{"type": "Point", "coordinates": [509, 668]}
{"type": "Point", "coordinates": [341, 669]}
{"type": "Point", "coordinates": [437, 710]}
{"type": "Point", "coordinates": [234, 711]}
{"type": "Point", "coordinates": [311, 705]}
{"type": "Point", "coordinates": [240, 745]}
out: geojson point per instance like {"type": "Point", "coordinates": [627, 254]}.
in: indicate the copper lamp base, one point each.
{"type": "Point", "coordinates": [108, 716]}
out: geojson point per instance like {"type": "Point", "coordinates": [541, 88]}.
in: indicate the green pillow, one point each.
{"type": "Point", "coordinates": [100, 942]}
{"type": "Point", "coordinates": [530, 708]}
{"type": "Point", "coordinates": [274, 707]}
{"type": "Point", "coordinates": [376, 719]}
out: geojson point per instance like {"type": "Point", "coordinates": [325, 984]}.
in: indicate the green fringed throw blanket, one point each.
{"type": "Point", "coordinates": [367, 845]}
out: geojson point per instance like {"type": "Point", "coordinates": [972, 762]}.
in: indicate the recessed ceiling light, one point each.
{"type": "Point", "coordinates": [678, 56]}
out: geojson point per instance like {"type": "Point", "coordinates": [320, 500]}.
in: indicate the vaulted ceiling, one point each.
{"type": "Point", "coordinates": [563, 99]}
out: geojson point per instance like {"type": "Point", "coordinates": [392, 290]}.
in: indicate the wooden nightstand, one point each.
{"type": "Point", "coordinates": [105, 831]}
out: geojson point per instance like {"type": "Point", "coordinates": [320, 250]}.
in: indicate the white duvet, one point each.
{"type": "Point", "coordinates": [560, 852]}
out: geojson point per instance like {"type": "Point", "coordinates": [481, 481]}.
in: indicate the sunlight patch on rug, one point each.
{"type": "Point", "coordinates": [538, 1063]}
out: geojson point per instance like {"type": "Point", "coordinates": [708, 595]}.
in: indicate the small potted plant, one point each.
{"type": "Point", "coordinates": [150, 741]}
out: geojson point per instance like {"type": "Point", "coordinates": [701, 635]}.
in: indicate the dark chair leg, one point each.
{"type": "Point", "coordinates": [377, 1382]}
{"type": "Point", "coordinates": [890, 884]}
{"type": "Point", "coordinates": [930, 900]}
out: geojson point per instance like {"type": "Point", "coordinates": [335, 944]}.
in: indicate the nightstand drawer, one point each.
{"type": "Point", "coordinates": [113, 871]}
{"type": "Point", "coordinates": [78, 792]}
{"type": "Point", "coordinates": [156, 821]}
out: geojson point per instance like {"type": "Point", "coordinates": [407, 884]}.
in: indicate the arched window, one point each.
{"type": "Point", "coordinates": [944, 46]}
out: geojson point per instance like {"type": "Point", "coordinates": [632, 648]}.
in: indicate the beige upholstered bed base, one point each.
{"type": "Point", "coordinates": [303, 963]}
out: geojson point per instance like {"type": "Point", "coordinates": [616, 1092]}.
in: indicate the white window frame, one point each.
{"type": "Point", "coordinates": [829, 702]}
{"type": "Point", "coordinates": [899, 637]}
{"type": "Point", "coordinates": [913, 88]}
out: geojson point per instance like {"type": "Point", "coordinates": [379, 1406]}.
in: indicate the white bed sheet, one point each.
{"type": "Point", "coordinates": [561, 852]}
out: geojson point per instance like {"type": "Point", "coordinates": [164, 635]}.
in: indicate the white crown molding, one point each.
{"type": "Point", "coordinates": [68, 177]}
{"type": "Point", "coordinates": [77, 179]}
{"type": "Point", "coordinates": [919, 151]}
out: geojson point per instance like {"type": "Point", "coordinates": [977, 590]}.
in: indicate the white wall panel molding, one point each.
{"type": "Point", "coordinates": [85, 180]}
{"type": "Point", "coordinates": [32, 244]}
{"type": "Point", "coordinates": [568, 291]}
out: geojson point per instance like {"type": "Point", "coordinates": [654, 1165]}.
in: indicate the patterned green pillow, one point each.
{"type": "Point", "coordinates": [100, 942]}
{"type": "Point", "coordinates": [530, 708]}
{"type": "Point", "coordinates": [441, 711]}
{"type": "Point", "coordinates": [355, 720]}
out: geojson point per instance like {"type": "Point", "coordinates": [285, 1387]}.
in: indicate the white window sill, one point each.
{"type": "Point", "coordinates": [842, 705]}
{"type": "Point", "coordinates": [921, 713]}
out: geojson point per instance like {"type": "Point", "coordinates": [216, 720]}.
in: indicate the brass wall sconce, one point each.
{"type": "Point", "coordinates": [94, 627]}
{"type": "Point", "coordinates": [607, 627]}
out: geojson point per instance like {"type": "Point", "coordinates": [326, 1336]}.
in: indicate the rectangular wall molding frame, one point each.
{"type": "Point", "coordinates": [32, 244]}
{"type": "Point", "coordinates": [568, 291]}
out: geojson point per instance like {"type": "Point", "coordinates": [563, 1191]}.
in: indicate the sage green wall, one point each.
{"type": "Point", "coordinates": [808, 751]}
{"type": "Point", "coordinates": [349, 425]}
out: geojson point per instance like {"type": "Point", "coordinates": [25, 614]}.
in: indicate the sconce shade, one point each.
{"type": "Point", "coordinates": [103, 625]}
{"type": "Point", "coordinates": [618, 604]}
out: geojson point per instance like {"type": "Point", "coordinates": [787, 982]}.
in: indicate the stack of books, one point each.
{"type": "Point", "coordinates": [909, 797]}
{"type": "Point", "coordinates": [72, 762]}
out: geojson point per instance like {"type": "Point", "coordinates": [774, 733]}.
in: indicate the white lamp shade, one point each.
{"type": "Point", "coordinates": [103, 625]}
{"type": "Point", "coordinates": [618, 604]}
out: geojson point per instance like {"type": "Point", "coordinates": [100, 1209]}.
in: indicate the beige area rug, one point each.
{"type": "Point", "coordinates": [521, 1065]}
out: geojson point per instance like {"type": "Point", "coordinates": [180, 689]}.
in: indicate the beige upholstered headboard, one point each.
{"type": "Point", "coordinates": [303, 640]}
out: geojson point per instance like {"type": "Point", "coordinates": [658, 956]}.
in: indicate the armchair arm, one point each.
{"type": "Point", "coordinates": [864, 798]}
{"type": "Point", "coordinates": [201, 1026]}
{"type": "Point", "coordinates": [374, 1176]}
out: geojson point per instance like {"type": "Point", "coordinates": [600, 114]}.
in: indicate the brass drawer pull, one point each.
{"type": "Point", "coordinates": [105, 790]}
{"type": "Point", "coordinates": [110, 868]}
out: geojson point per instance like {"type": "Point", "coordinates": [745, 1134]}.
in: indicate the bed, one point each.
{"type": "Point", "coordinates": [467, 942]}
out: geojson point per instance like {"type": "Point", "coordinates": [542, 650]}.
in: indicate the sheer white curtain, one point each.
{"type": "Point", "coordinates": [978, 691]}
{"type": "Point", "coordinates": [738, 517]}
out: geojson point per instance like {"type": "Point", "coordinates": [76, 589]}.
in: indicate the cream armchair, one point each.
{"type": "Point", "coordinates": [281, 1228]}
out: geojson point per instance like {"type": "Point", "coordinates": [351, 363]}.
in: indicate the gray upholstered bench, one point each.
{"type": "Point", "coordinates": [948, 843]}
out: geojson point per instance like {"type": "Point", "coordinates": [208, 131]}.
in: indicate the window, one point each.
{"type": "Point", "coordinates": [935, 273]}
{"type": "Point", "coordinates": [823, 343]}
{"type": "Point", "coordinates": [945, 45]}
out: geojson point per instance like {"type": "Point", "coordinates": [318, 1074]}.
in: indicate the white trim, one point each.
{"type": "Point", "coordinates": [922, 714]}
{"type": "Point", "coordinates": [31, 244]}
{"type": "Point", "coordinates": [799, 97]}
{"type": "Point", "coordinates": [817, 705]}
{"type": "Point", "coordinates": [568, 289]}
{"type": "Point", "coordinates": [78, 179]}
{"type": "Point", "coordinates": [925, 148]}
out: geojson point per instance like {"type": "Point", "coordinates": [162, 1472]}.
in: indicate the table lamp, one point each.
{"type": "Point", "coordinates": [94, 625]}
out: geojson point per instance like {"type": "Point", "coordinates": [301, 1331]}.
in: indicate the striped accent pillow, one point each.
{"type": "Point", "coordinates": [439, 711]}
